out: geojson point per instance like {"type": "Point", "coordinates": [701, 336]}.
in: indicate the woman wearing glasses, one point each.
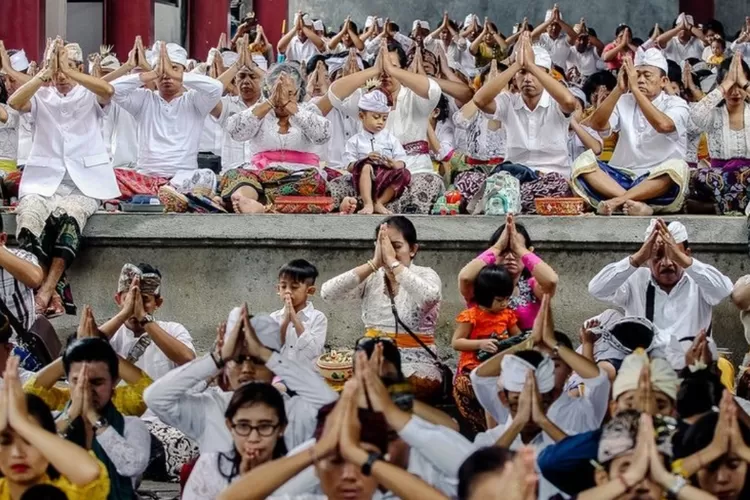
{"type": "Point", "coordinates": [256, 419]}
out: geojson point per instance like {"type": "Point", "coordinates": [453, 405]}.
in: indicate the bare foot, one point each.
{"type": "Point", "coordinates": [41, 301]}
{"type": "Point", "coordinates": [367, 209]}
{"type": "Point", "coordinates": [380, 209]}
{"type": "Point", "coordinates": [606, 207]}
{"type": "Point", "coordinates": [244, 205]}
{"type": "Point", "coordinates": [637, 208]}
{"type": "Point", "coordinates": [348, 205]}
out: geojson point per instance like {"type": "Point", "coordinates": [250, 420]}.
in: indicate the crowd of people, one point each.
{"type": "Point", "coordinates": [645, 406]}
{"type": "Point", "coordinates": [642, 404]}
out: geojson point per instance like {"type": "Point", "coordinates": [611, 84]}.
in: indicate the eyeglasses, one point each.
{"type": "Point", "coordinates": [241, 358]}
{"type": "Point", "coordinates": [244, 429]}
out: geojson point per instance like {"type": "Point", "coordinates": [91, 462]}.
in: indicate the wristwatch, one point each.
{"type": "Point", "coordinates": [679, 483]}
{"type": "Point", "coordinates": [147, 319]}
{"type": "Point", "coordinates": [100, 424]}
{"type": "Point", "coordinates": [371, 459]}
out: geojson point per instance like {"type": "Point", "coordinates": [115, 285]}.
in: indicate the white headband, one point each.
{"type": "Point", "coordinates": [75, 53]}
{"type": "Point", "coordinates": [374, 101]}
{"type": "Point", "coordinates": [318, 25]}
{"type": "Point", "coordinates": [371, 20]}
{"type": "Point", "coordinates": [514, 370]}
{"type": "Point", "coordinates": [651, 57]}
{"type": "Point", "coordinates": [469, 19]}
{"type": "Point", "coordinates": [336, 63]}
{"type": "Point", "coordinates": [228, 58]}
{"type": "Point", "coordinates": [19, 61]}
{"type": "Point", "coordinates": [663, 376]}
{"type": "Point", "coordinates": [676, 229]}
{"type": "Point", "coordinates": [420, 24]}
{"type": "Point", "coordinates": [542, 57]}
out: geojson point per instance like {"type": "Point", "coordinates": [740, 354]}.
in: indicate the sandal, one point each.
{"type": "Point", "coordinates": [172, 200]}
{"type": "Point", "coordinates": [56, 307]}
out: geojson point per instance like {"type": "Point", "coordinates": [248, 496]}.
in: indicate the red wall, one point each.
{"type": "Point", "coordinates": [22, 26]}
{"type": "Point", "coordinates": [701, 10]}
{"type": "Point", "coordinates": [271, 14]}
{"type": "Point", "coordinates": [126, 19]}
{"type": "Point", "coordinates": [207, 20]}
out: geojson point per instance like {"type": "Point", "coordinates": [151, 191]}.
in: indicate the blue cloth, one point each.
{"type": "Point", "coordinates": [567, 463]}
{"type": "Point", "coordinates": [520, 172]}
{"type": "Point", "coordinates": [627, 182]}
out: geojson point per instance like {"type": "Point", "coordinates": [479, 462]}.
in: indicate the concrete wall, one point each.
{"type": "Point", "coordinates": [732, 14]}
{"type": "Point", "coordinates": [167, 23]}
{"type": "Point", "coordinates": [602, 15]}
{"type": "Point", "coordinates": [212, 263]}
{"type": "Point", "coordinates": [85, 26]}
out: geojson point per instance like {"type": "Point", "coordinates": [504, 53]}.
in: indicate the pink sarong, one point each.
{"type": "Point", "coordinates": [261, 160]}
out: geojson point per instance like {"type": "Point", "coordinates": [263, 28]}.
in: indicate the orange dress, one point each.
{"type": "Point", "coordinates": [484, 325]}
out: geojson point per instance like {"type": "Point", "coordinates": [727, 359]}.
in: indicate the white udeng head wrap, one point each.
{"type": "Point", "coordinates": [677, 229]}
{"type": "Point", "coordinates": [470, 18]}
{"type": "Point", "coordinates": [542, 58]}
{"type": "Point", "coordinates": [420, 24]}
{"type": "Point", "coordinates": [228, 58]}
{"type": "Point", "coordinates": [305, 20]}
{"type": "Point", "coordinates": [19, 61]}
{"type": "Point", "coordinates": [110, 62]}
{"type": "Point", "coordinates": [371, 20]}
{"type": "Point", "coordinates": [318, 25]}
{"type": "Point", "coordinates": [266, 328]}
{"type": "Point", "coordinates": [75, 53]}
{"type": "Point", "coordinates": [651, 57]}
{"type": "Point", "coordinates": [336, 63]}
{"type": "Point", "coordinates": [177, 54]}
{"type": "Point", "coordinates": [663, 376]}
{"type": "Point", "coordinates": [374, 101]}
{"type": "Point", "coordinates": [514, 370]}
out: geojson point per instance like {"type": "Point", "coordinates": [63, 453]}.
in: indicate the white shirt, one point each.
{"type": "Point", "coordinates": [640, 147]}
{"type": "Point", "coordinates": [307, 347]}
{"type": "Point", "coordinates": [445, 132]}
{"type": "Point", "coordinates": [200, 416]}
{"type": "Point", "coordinates": [364, 143]}
{"type": "Point", "coordinates": [408, 121]}
{"type": "Point", "coordinates": [678, 52]}
{"type": "Point", "coordinates": [154, 362]}
{"type": "Point", "coordinates": [537, 139]}
{"type": "Point", "coordinates": [18, 297]}
{"type": "Point", "coordinates": [233, 153]}
{"type": "Point", "coordinates": [169, 132]}
{"type": "Point", "coordinates": [26, 128]}
{"type": "Point", "coordinates": [209, 477]}
{"type": "Point", "coordinates": [576, 147]}
{"type": "Point", "coordinates": [683, 312]}
{"type": "Point", "coordinates": [588, 62]}
{"type": "Point", "coordinates": [297, 51]}
{"type": "Point", "coordinates": [343, 127]}
{"type": "Point", "coordinates": [453, 51]}
{"type": "Point", "coordinates": [120, 136]}
{"type": "Point", "coordinates": [68, 140]}
{"type": "Point", "coordinates": [558, 49]}
{"type": "Point", "coordinates": [211, 137]}
{"type": "Point", "coordinates": [9, 134]}
{"type": "Point", "coordinates": [129, 453]}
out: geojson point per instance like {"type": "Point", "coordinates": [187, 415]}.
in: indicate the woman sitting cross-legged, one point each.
{"type": "Point", "coordinates": [284, 132]}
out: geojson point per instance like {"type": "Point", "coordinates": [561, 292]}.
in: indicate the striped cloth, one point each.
{"type": "Point", "coordinates": [18, 297]}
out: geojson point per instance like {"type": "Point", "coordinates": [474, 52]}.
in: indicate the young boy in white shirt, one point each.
{"type": "Point", "coordinates": [376, 157]}
{"type": "Point", "coordinates": [302, 327]}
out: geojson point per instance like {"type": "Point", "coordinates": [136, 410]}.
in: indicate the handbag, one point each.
{"type": "Point", "coordinates": [446, 389]}
{"type": "Point", "coordinates": [41, 339]}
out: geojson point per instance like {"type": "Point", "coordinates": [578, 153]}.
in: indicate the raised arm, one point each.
{"type": "Point", "coordinates": [600, 119]}
{"type": "Point", "coordinates": [7, 67]}
{"type": "Point", "coordinates": [22, 269]}
{"type": "Point", "coordinates": [286, 39]}
{"type": "Point", "coordinates": [103, 90]}
{"type": "Point", "coordinates": [485, 97]}
{"type": "Point", "coordinates": [665, 37]}
{"type": "Point", "coordinates": [557, 90]}
{"type": "Point", "coordinates": [21, 98]}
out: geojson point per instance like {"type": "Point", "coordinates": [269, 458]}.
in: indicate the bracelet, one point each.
{"type": "Point", "coordinates": [372, 266]}
{"type": "Point", "coordinates": [218, 362]}
{"type": "Point", "coordinates": [530, 260]}
{"type": "Point", "coordinates": [624, 483]}
{"type": "Point", "coordinates": [677, 485]}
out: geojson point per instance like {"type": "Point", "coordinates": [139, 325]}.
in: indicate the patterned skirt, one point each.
{"type": "Point", "coordinates": [468, 175]}
{"type": "Point", "coordinates": [468, 405]}
{"type": "Point", "coordinates": [132, 183]}
{"type": "Point", "coordinates": [383, 177]}
{"type": "Point", "coordinates": [272, 182]}
{"type": "Point", "coordinates": [726, 190]}
{"type": "Point", "coordinates": [170, 450]}
{"type": "Point", "coordinates": [418, 198]}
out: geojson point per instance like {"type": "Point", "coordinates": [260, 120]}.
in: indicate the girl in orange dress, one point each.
{"type": "Point", "coordinates": [479, 328]}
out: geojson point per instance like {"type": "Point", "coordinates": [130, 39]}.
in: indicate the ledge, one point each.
{"type": "Point", "coordinates": [725, 234]}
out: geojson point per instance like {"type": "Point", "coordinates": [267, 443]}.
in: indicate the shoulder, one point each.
{"type": "Point", "coordinates": [23, 254]}
{"type": "Point", "coordinates": [467, 315]}
{"type": "Point", "coordinates": [426, 272]}
{"type": "Point", "coordinates": [173, 328]}
{"type": "Point", "coordinates": [675, 102]}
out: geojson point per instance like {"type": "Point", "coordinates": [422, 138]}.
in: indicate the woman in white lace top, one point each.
{"type": "Point", "coordinates": [724, 115]}
{"type": "Point", "coordinates": [417, 292]}
{"type": "Point", "coordinates": [285, 132]}
{"type": "Point", "coordinates": [256, 419]}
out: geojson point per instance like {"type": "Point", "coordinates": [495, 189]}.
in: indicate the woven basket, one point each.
{"type": "Point", "coordinates": [559, 206]}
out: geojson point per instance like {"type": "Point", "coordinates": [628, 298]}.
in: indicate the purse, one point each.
{"type": "Point", "coordinates": [41, 339]}
{"type": "Point", "coordinates": [446, 389]}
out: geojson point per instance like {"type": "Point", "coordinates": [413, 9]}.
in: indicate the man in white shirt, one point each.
{"type": "Point", "coordinates": [446, 37]}
{"type": "Point", "coordinates": [243, 358]}
{"type": "Point", "coordinates": [676, 292]}
{"type": "Point", "coordinates": [156, 347]}
{"type": "Point", "coordinates": [556, 37]}
{"type": "Point", "coordinates": [583, 55]}
{"type": "Point", "coordinates": [647, 172]}
{"type": "Point", "coordinates": [302, 327]}
{"type": "Point", "coordinates": [536, 123]}
{"type": "Point", "coordinates": [301, 43]}
{"type": "Point", "coordinates": [68, 170]}
{"type": "Point", "coordinates": [684, 41]}
{"type": "Point", "coordinates": [170, 123]}
{"type": "Point", "coordinates": [247, 77]}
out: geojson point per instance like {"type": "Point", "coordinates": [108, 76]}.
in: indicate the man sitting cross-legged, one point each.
{"type": "Point", "coordinates": [647, 172]}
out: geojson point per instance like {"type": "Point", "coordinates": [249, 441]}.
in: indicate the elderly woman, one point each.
{"type": "Point", "coordinates": [391, 277]}
{"type": "Point", "coordinates": [414, 96]}
{"type": "Point", "coordinates": [284, 133]}
{"type": "Point", "coordinates": [724, 114]}
{"type": "Point", "coordinates": [511, 247]}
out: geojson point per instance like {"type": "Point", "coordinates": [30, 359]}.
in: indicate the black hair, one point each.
{"type": "Point", "coordinates": [354, 27]}
{"type": "Point", "coordinates": [403, 225]}
{"type": "Point", "coordinates": [395, 27]}
{"type": "Point", "coordinates": [443, 107]}
{"type": "Point", "coordinates": [313, 62]}
{"type": "Point", "coordinates": [596, 80]}
{"type": "Point", "coordinates": [3, 92]}
{"type": "Point", "coordinates": [622, 28]}
{"type": "Point", "coordinates": [44, 491]}
{"type": "Point", "coordinates": [390, 353]}
{"type": "Point", "coordinates": [492, 282]}
{"type": "Point", "coordinates": [245, 396]}
{"type": "Point", "coordinates": [521, 230]}
{"type": "Point", "coordinates": [633, 335]}
{"type": "Point", "coordinates": [721, 41]}
{"type": "Point", "coordinates": [479, 463]}
{"type": "Point", "coordinates": [674, 72]}
{"type": "Point", "coordinates": [715, 26]}
{"type": "Point", "coordinates": [562, 338]}
{"type": "Point", "coordinates": [149, 269]}
{"type": "Point", "coordinates": [486, 71]}
{"type": "Point", "coordinates": [723, 69]}
{"type": "Point", "coordinates": [698, 393]}
{"type": "Point", "coordinates": [494, 28]}
{"type": "Point", "coordinates": [534, 358]}
{"type": "Point", "coordinates": [300, 271]}
{"type": "Point", "coordinates": [91, 349]}
{"type": "Point", "coordinates": [399, 50]}
{"type": "Point", "coordinates": [38, 409]}
{"type": "Point", "coordinates": [592, 32]}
